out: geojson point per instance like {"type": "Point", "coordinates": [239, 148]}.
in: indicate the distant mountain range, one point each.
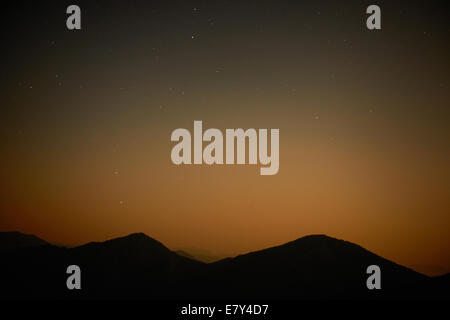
{"type": "Point", "coordinates": [198, 254]}
{"type": "Point", "coordinates": [137, 266]}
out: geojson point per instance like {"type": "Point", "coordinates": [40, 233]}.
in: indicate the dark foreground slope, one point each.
{"type": "Point", "coordinates": [137, 266]}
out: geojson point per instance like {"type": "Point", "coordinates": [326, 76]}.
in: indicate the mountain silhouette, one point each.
{"type": "Point", "coordinates": [15, 240]}
{"type": "Point", "coordinates": [137, 266]}
{"type": "Point", "coordinates": [315, 266]}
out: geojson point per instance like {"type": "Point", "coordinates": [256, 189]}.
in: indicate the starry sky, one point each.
{"type": "Point", "coordinates": [364, 121]}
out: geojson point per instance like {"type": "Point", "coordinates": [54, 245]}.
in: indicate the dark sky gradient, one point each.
{"type": "Point", "coordinates": [364, 121]}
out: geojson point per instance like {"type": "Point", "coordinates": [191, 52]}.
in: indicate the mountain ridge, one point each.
{"type": "Point", "coordinates": [138, 266]}
{"type": "Point", "coordinates": [15, 239]}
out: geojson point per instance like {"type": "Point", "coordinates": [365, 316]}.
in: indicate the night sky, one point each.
{"type": "Point", "coordinates": [364, 119]}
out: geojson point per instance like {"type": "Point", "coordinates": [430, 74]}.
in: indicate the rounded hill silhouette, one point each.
{"type": "Point", "coordinates": [137, 266]}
